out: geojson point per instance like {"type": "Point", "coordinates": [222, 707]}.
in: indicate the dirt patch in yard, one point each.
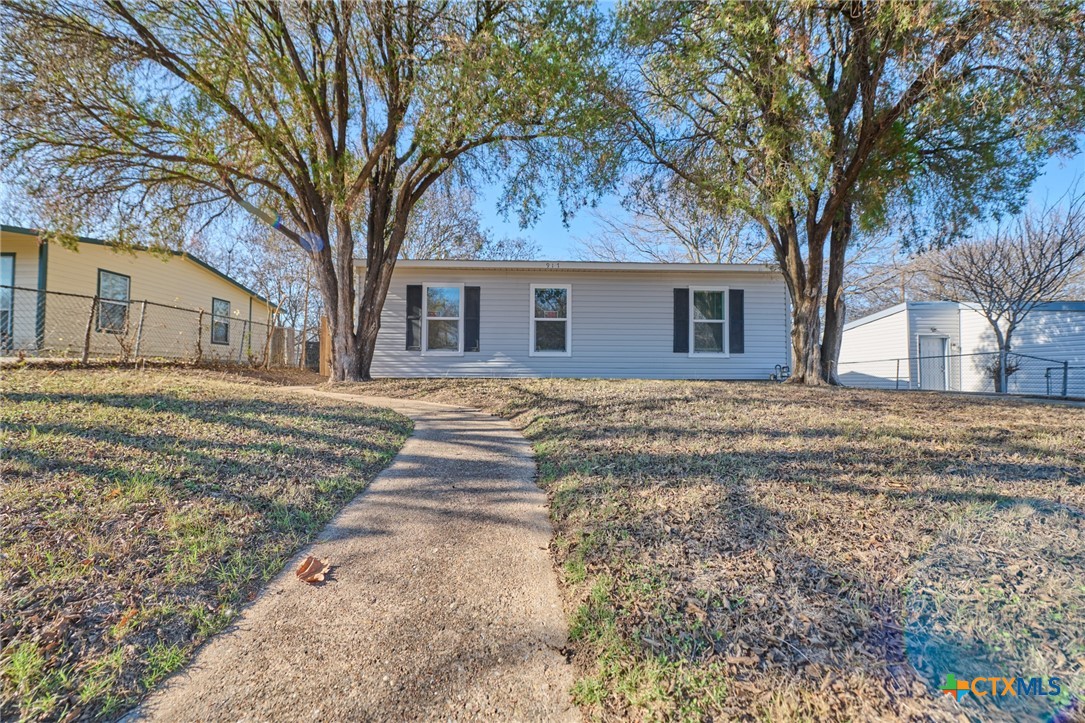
{"type": "Point", "coordinates": [141, 510]}
{"type": "Point", "coordinates": [753, 551]}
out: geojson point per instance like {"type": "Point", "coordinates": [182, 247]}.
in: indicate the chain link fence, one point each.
{"type": "Point", "coordinates": [979, 372]}
{"type": "Point", "coordinates": [51, 324]}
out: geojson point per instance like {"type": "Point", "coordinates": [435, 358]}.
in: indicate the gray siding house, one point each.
{"type": "Point", "coordinates": [949, 346]}
{"type": "Point", "coordinates": [583, 319]}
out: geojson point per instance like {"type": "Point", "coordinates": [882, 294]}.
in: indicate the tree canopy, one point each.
{"type": "Point", "coordinates": [158, 117]}
{"type": "Point", "coordinates": [815, 119]}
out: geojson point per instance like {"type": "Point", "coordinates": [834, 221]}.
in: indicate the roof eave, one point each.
{"type": "Point", "coordinates": [183, 254]}
{"type": "Point", "coordinates": [553, 266]}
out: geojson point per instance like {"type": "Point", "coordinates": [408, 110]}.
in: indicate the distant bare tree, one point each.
{"type": "Point", "coordinates": [877, 280]}
{"type": "Point", "coordinates": [446, 225]}
{"type": "Point", "coordinates": [1033, 260]}
{"type": "Point", "coordinates": [668, 222]}
{"type": "Point", "coordinates": [275, 269]}
{"type": "Point", "coordinates": [882, 271]}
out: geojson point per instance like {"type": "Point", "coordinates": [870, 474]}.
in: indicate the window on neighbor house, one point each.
{"type": "Point", "coordinates": [220, 321]}
{"type": "Point", "coordinates": [550, 329]}
{"type": "Point", "coordinates": [708, 321]}
{"type": "Point", "coordinates": [113, 300]}
{"type": "Point", "coordinates": [443, 319]}
{"type": "Point", "coordinates": [7, 300]}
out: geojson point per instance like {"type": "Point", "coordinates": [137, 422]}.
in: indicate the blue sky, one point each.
{"type": "Point", "coordinates": [555, 240]}
{"type": "Point", "coordinates": [558, 242]}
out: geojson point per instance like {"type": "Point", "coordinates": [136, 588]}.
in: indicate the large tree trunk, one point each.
{"type": "Point", "coordinates": [833, 332]}
{"type": "Point", "coordinates": [803, 278]}
{"type": "Point", "coordinates": [805, 331]}
{"type": "Point", "coordinates": [832, 336]}
{"type": "Point", "coordinates": [368, 345]}
{"type": "Point", "coordinates": [346, 352]}
{"type": "Point", "coordinates": [369, 321]}
{"type": "Point", "coordinates": [336, 289]}
{"type": "Point", "coordinates": [381, 261]}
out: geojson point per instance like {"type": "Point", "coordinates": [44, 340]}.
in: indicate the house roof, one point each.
{"type": "Point", "coordinates": [557, 265]}
{"type": "Point", "coordinates": [896, 308]}
{"type": "Point", "coordinates": [183, 254]}
{"type": "Point", "coordinates": [1044, 306]}
{"type": "Point", "coordinates": [908, 305]}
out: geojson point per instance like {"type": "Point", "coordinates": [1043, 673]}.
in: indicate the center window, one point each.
{"type": "Point", "coordinates": [444, 319]}
{"type": "Point", "coordinates": [708, 320]}
{"type": "Point", "coordinates": [550, 330]}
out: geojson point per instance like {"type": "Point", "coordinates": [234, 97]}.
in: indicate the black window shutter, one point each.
{"type": "Point", "coordinates": [471, 318]}
{"type": "Point", "coordinates": [736, 340]}
{"type": "Point", "coordinates": [414, 317]}
{"type": "Point", "coordinates": [681, 321]}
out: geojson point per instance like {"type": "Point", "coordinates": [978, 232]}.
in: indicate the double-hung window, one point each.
{"type": "Point", "coordinates": [443, 321]}
{"type": "Point", "coordinates": [551, 323]}
{"type": "Point", "coordinates": [220, 321]}
{"type": "Point", "coordinates": [113, 298]}
{"type": "Point", "coordinates": [708, 321]}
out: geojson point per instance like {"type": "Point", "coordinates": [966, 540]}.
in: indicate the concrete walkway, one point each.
{"type": "Point", "coordinates": [442, 601]}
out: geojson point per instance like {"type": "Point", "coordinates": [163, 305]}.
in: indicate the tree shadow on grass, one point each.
{"type": "Point", "coordinates": [240, 415]}
{"type": "Point", "coordinates": [144, 518]}
{"type": "Point", "coordinates": [793, 560]}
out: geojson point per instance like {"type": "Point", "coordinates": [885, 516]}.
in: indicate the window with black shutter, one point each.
{"type": "Point", "coordinates": [471, 304]}
{"type": "Point", "coordinates": [709, 320]}
{"type": "Point", "coordinates": [414, 317]}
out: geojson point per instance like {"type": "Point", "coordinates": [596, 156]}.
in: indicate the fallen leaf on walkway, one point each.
{"type": "Point", "coordinates": [312, 570]}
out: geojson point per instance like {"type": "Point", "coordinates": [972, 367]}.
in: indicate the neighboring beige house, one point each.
{"type": "Point", "coordinates": [149, 304]}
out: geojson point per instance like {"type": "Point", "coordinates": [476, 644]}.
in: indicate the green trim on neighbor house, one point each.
{"type": "Point", "coordinates": [43, 273]}
{"type": "Point", "coordinates": [183, 254]}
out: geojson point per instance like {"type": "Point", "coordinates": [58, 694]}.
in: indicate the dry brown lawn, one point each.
{"type": "Point", "coordinates": [752, 551]}
{"type": "Point", "coordinates": [141, 510]}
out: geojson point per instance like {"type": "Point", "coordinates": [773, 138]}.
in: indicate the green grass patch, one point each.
{"type": "Point", "coordinates": [144, 509]}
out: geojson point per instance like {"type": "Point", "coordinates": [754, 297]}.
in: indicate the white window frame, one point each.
{"type": "Point", "coordinates": [223, 318]}
{"type": "Point", "coordinates": [726, 353]}
{"type": "Point", "coordinates": [568, 320]}
{"type": "Point", "coordinates": [426, 351]}
{"type": "Point", "coordinates": [104, 301]}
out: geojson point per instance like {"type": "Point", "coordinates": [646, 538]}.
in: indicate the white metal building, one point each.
{"type": "Point", "coordinates": [949, 345]}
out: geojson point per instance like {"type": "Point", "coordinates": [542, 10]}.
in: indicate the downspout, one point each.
{"type": "Point", "coordinates": [913, 356]}
{"type": "Point", "coordinates": [249, 340]}
{"type": "Point", "coordinates": [43, 272]}
{"type": "Point", "coordinates": [960, 351]}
